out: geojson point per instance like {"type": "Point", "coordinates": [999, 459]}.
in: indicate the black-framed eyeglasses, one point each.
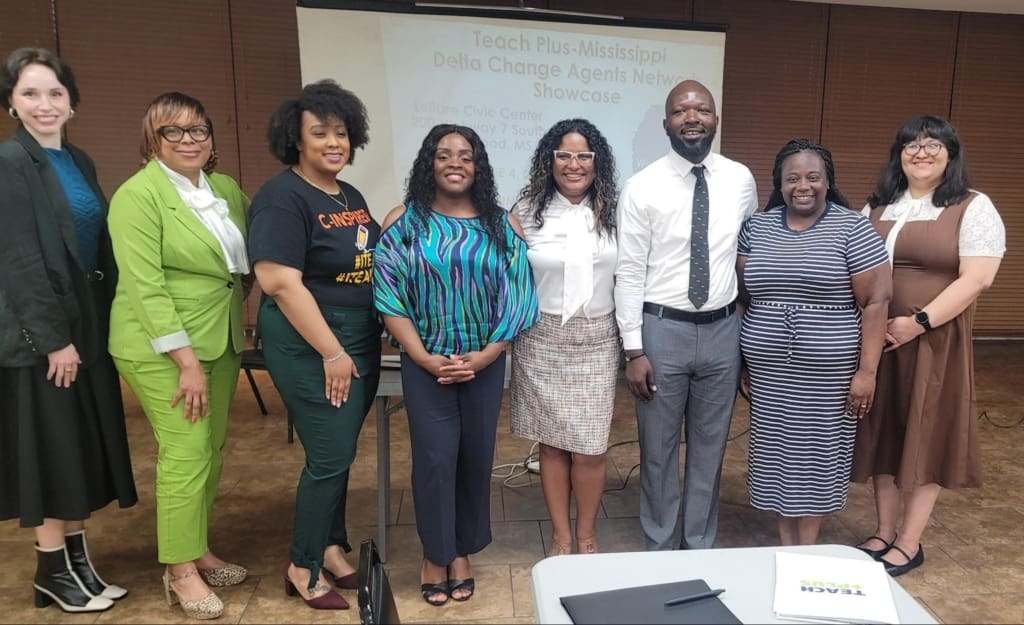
{"type": "Point", "coordinates": [174, 134]}
{"type": "Point", "coordinates": [931, 148]}
{"type": "Point", "coordinates": [565, 156]}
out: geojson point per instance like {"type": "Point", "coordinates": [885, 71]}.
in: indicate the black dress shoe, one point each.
{"type": "Point", "coordinates": [896, 570]}
{"type": "Point", "coordinates": [876, 554]}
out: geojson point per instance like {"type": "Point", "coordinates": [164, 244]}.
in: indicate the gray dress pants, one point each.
{"type": "Point", "coordinates": [696, 371]}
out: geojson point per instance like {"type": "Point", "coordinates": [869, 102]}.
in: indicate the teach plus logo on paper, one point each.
{"type": "Point", "coordinates": [832, 588]}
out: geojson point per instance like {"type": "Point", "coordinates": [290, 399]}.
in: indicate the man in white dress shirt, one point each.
{"type": "Point", "coordinates": [682, 353]}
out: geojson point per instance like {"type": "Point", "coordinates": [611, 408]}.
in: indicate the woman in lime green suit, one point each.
{"type": "Point", "coordinates": [176, 330]}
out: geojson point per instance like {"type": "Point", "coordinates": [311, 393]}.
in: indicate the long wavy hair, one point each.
{"type": "Point", "coordinates": [893, 182]}
{"type": "Point", "coordinates": [603, 193]}
{"type": "Point", "coordinates": [795, 146]}
{"type": "Point", "coordinates": [421, 187]}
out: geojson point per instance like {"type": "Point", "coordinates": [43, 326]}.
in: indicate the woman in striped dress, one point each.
{"type": "Point", "coordinates": [452, 280]}
{"type": "Point", "coordinates": [816, 279]}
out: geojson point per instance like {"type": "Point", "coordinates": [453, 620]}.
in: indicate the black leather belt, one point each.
{"type": "Point", "coordinates": [707, 316]}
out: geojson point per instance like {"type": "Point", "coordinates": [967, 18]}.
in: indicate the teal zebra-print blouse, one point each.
{"type": "Point", "coordinates": [447, 277]}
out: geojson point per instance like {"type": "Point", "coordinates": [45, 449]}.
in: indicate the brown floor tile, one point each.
{"type": "Point", "coordinates": [962, 607]}
{"type": "Point", "coordinates": [972, 573]}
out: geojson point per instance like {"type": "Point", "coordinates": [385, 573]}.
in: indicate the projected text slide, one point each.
{"type": "Point", "coordinates": [509, 80]}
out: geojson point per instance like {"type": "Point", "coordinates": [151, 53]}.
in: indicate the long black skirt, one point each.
{"type": "Point", "coordinates": [63, 451]}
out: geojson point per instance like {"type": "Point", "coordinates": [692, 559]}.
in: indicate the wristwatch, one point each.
{"type": "Point", "coordinates": [922, 318]}
{"type": "Point", "coordinates": [629, 358]}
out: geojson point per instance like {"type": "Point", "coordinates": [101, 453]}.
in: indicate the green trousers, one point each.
{"type": "Point", "coordinates": [189, 459]}
{"type": "Point", "coordinates": [329, 435]}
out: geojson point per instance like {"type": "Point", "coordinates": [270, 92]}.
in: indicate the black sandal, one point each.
{"type": "Point", "coordinates": [455, 583]}
{"type": "Point", "coordinates": [461, 584]}
{"type": "Point", "coordinates": [429, 590]}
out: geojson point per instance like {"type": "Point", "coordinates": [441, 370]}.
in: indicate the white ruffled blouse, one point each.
{"type": "Point", "coordinates": [212, 211]}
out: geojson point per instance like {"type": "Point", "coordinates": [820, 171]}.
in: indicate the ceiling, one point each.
{"type": "Point", "coordinates": [979, 6]}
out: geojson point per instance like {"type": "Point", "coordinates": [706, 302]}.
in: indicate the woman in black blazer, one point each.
{"type": "Point", "coordinates": [63, 445]}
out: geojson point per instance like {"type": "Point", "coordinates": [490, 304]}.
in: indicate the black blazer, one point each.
{"type": "Point", "coordinates": [46, 298]}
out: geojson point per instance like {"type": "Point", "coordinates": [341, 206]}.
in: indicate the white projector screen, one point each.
{"type": "Point", "coordinates": [508, 78]}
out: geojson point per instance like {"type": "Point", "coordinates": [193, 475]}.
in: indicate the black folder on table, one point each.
{"type": "Point", "coordinates": [646, 604]}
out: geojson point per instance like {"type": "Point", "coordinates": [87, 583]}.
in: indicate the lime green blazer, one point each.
{"type": "Point", "coordinates": [173, 279]}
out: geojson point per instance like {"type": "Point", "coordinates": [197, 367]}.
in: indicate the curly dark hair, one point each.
{"type": "Point", "coordinates": [955, 183]}
{"type": "Point", "coordinates": [795, 146]}
{"type": "Point", "coordinates": [421, 187]}
{"type": "Point", "coordinates": [22, 58]}
{"type": "Point", "coordinates": [603, 193]}
{"type": "Point", "coordinates": [324, 98]}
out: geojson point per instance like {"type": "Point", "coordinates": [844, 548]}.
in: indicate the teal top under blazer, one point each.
{"type": "Point", "coordinates": [46, 302]}
{"type": "Point", "coordinates": [173, 274]}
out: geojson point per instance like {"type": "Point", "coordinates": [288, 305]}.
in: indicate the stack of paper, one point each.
{"type": "Point", "coordinates": [824, 589]}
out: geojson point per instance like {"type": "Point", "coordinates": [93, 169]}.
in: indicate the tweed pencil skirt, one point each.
{"type": "Point", "coordinates": [563, 382]}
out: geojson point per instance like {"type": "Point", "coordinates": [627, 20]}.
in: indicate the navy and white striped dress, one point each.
{"type": "Point", "coordinates": [801, 343]}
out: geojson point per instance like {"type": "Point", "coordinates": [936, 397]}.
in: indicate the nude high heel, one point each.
{"type": "Point", "coordinates": [587, 545]}
{"type": "Point", "coordinates": [559, 549]}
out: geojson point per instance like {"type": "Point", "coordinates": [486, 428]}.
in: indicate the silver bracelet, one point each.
{"type": "Point", "coordinates": [338, 357]}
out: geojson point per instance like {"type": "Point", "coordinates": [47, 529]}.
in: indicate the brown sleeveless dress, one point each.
{"type": "Point", "coordinates": [923, 427]}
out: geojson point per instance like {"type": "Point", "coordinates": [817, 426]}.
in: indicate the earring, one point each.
{"type": "Point", "coordinates": [71, 113]}
{"type": "Point", "coordinates": [13, 113]}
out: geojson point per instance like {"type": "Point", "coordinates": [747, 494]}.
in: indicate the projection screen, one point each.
{"type": "Point", "coordinates": [509, 75]}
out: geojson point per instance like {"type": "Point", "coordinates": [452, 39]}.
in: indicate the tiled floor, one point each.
{"type": "Point", "coordinates": [974, 572]}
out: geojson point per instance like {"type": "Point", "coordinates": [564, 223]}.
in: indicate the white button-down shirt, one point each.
{"type": "Point", "coordinates": [654, 216]}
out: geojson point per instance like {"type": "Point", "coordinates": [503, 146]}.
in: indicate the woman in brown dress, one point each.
{"type": "Point", "coordinates": [945, 241]}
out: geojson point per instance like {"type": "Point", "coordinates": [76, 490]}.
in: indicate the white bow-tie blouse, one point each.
{"type": "Point", "coordinates": [573, 261]}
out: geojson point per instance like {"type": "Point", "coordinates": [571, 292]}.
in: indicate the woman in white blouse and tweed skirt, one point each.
{"type": "Point", "coordinates": [564, 368]}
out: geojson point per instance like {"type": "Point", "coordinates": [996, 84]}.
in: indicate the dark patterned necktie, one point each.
{"type": "Point", "coordinates": [700, 270]}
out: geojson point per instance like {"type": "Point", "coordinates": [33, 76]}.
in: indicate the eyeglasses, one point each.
{"type": "Point", "coordinates": [931, 149]}
{"type": "Point", "coordinates": [583, 158]}
{"type": "Point", "coordinates": [174, 134]}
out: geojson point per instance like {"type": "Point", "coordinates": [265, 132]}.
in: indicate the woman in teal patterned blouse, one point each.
{"type": "Point", "coordinates": [452, 280]}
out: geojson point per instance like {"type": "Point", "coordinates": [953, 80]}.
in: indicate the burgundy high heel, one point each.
{"type": "Point", "coordinates": [348, 582]}
{"type": "Point", "coordinates": [329, 601]}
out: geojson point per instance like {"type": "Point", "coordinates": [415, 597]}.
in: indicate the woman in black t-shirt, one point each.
{"type": "Point", "coordinates": [311, 240]}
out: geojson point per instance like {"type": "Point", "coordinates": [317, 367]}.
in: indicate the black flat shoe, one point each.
{"type": "Point", "coordinates": [429, 590]}
{"type": "Point", "coordinates": [876, 554]}
{"type": "Point", "coordinates": [896, 570]}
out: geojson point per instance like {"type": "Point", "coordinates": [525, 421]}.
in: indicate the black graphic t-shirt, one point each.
{"type": "Point", "coordinates": [330, 241]}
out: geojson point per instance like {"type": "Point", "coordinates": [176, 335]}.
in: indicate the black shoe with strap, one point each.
{"type": "Point", "coordinates": [896, 570]}
{"type": "Point", "coordinates": [877, 554]}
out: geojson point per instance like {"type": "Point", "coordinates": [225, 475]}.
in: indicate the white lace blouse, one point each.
{"type": "Point", "coordinates": [982, 232]}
